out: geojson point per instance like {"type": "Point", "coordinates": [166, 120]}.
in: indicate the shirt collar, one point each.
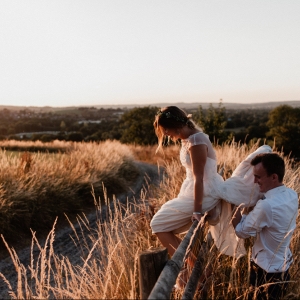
{"type": "Point", "coordinates": [274, 191]}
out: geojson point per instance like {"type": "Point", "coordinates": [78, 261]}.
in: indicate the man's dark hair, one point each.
{"type": "Point", "coordinates": [272, 162]}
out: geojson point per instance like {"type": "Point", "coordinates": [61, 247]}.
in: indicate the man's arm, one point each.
{"type": "Point", "coordinates": [246, 225]}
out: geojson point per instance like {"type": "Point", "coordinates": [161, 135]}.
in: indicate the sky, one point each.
{"type": "Point", "coordinates": [108, 52]}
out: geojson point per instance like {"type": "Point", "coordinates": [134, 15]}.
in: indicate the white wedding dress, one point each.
{"type": "Point", "coordinates": [175, 215]}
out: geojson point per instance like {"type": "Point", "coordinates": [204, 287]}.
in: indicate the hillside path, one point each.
{"type": "Point", "coordinates": [64, 244]}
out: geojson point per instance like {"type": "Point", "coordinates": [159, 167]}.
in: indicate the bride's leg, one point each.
{"type": "Point", "coordinates": [169, 240]}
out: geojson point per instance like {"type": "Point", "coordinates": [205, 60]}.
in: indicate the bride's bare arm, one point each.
{"type": "Point", "coordinates": [198, 155]}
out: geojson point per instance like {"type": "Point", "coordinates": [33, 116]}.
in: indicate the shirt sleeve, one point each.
{"type": "Point", "coordinates": [255, 221]}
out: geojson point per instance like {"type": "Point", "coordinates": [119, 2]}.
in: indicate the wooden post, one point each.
{"type": "Point", "coordinates": [151, 263]}
{"type": "Point", "coordinates": [164, 285]}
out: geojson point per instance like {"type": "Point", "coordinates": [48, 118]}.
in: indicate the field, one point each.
{"type": "Point", "coordinates": [36, 188]}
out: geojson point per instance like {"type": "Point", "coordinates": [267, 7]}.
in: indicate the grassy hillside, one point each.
{"type": "Point", "coordinates": [36, 187]}
{"type": "Point", "coordinates": [110, 270]}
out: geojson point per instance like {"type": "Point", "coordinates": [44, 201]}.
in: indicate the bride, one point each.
{"type": "Point", "coordinates": [203, 189]}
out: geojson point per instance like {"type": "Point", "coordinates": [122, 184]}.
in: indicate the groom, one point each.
{"type": "Point", "coordinates": [272, 222]}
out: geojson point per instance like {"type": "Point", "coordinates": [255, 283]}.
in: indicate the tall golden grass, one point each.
{"type": "Point", "coordinates": [55, 146]}
{"type": "Point", "coordinates": [36, 187]}
{"type": "Point", "coordinates": [109, 269]}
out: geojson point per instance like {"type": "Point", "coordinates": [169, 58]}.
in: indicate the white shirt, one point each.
{"type": "Point", "coordinates": [272, 221]}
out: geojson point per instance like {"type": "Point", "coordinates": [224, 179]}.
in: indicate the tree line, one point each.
{"type": "Point", "coordinates": [280, 125]}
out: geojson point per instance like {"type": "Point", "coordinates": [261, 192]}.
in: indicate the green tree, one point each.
{"type": "Point", "coordinates": [284, 128]}
{"type": "Point", "coordinates": [136, 126]}
{"type": "Point", "coordinates": [75, 136]}
{"type": "Point", "coordinates": [62, 126]}
{"type": "Point", "coordinates": [47, 138]}
{"type": "Point", "coordinates": [256, 131]}
{"type": "Point", "coordinates": [3, 130]}
{"type": "Point", "coordinates": [212, 121]}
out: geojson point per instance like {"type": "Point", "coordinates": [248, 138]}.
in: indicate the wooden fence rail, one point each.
{"type": "Point", "coordinates": [167, 278]}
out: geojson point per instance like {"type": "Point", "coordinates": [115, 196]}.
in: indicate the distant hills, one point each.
{"type": "Point", "coordinates": [266, 105]}
{"type": "Point", "coordinates": [263, 105]}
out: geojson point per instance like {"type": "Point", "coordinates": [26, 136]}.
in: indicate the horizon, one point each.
{"type": "Point", "coordinates": [272, 103]}
{"type": "Point", "coordinates": [74, 53]}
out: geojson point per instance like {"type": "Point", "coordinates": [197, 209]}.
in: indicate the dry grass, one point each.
{"type": "Point", "coordinates": [109, 268]}
{"type": "Point", "coordinates": [147, 153]}
{"type": "Point", "coordinates": [37, 187]}
{"type": "Point", "coordinates": [55, 146]}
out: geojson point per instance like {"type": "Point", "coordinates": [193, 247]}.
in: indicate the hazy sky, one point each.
{"type": "Point", "coordinates": [92, 52]}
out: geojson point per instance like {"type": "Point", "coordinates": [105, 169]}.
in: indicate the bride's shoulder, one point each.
{"type": "Point", "coordinates": [197, 139]}
{"type": "Point", "coordinates": [198, 135]}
